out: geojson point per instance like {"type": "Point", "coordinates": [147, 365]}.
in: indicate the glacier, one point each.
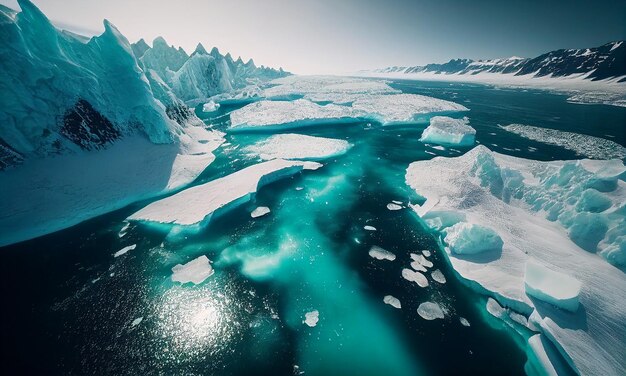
{"type": "Point", "coordinates": [534, 208]}
{"type": "Point", "coordinates": [196, 205]}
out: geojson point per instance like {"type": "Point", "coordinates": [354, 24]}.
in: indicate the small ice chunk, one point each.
{"type": "Point", "coordinates": [416, 265]}
{"type": "Point", "coordinates": [381, 254]}
{"type": "Point", "coordinates": [430, 311]}
{"type": "Point", "coordinates": [392, 206]}
{"type": "Point", "coordinates": [439, 147]}
{"type": "Point", "coordinates": [136, 322]}
{"type": "Point", "coordinates": [464, 321]}
{"type": "Point", "coordinates": [413, 276]}
{"type": "Point", "coordinates": [438, 276]}
{"type": "Point", "coordinates": [260, 211]}
{"type": "Point", "coordinates": [210, 107]}
{"type": "Point", "coordinates": [369, 228]}
{"type": "Point", "coordinates": [397, 202]}
{"type": "Point", "coordinates": [449, 131]}
{"type": "Point", "coordinates": [123, 230]}
{"type": "Point", "coordinates": [124, 250]}
{"type": "Point", "coordinates": [392, 301]}
{"type": "Point", "coordinates": [467, 239]}
{"type": "Point", "coordinates": [495, 309]}
{"type": "Point", "coordinates": [311, 318]}
{"type": "Point", "coordinates": [299, 188]}
{"type": "Point", "coordinates": [426, 253]}
{"type": "Point", "coordinates": [553, 287]}
{"type": "Point", "coordinates": [195, 271]}
{"type": "Point", "coordinates": [421, 259]}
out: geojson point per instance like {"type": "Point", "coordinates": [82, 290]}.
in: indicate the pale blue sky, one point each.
{"type": "Point", "coordinates": [336, 36]}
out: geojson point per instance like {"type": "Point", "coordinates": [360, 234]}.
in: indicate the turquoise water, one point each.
{"type": "Point", "coordinates": [70, 305]}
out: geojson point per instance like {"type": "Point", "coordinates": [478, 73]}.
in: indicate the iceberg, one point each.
{"type": "Point", "coordinates": [369, 228]}
{"type": "Point", "coordinates": [195, 271]}
{"type": "Point", "coordinates": [381, 254]}
{"type": "Point", "coordinates": [438, 276]}
{"type": "Point", "coordinates": [296, 146]}
{"type": "Point", "coordinates": [260, 211]}
{"type": "Point", "coordinates": [553, 287]}
{"type": "Point", "coordinates": [448, 131]}
{"type": "Point", "coordinates": [464, 321]}
{"type": "Point", "coordinates": [311, 318]}
{"type": "Point", "coordinates": [534, 209]}
{"type": "Point", "coordinates": [430, 311]}
{"type": "Point", "coordinates": [196, 205]}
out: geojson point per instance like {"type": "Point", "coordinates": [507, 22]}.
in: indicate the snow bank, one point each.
{"type": "Point", "coordinates": [197, 204]}
{"type": "Point", "coordinates": [381, 254]}
{"type": "Point", "coordinates": [51, 194]}
{"type": "Point", "coordinates": [448, 131]}
{"type": "Point", "coordinates": [582, 144]}
{"type": "Point", "coordinates": [535, 208]}
{"type": "Point", "coordinates": [430, 311]}
{"type": "Point", "coordinates": [296, 146]}
{"type": "Point", "coordinates": [195, 271]}
{"type": "Point", "coordinates": [553, 287]}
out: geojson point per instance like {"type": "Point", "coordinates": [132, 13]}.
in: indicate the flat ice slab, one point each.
{"type": "Point", "coordinates": [311, 318]}
{"type": "Point", "coordinates": [430, 311]}
{"type": "Point", "coordinates": [539, 210]}
{"type": "Point", "coordinates": [550, 286]}
{"type": "Point", "coordinates": [297, 146]}
{"type": "Point", "coordinates": [195, 271]}
{"type": "Point", "coordinates": [124, 250]}
{"type": "Point", "coordinates": [392, 301]}
{"type": "Point", "coordinates": [194, 205]}
{"type": "Point", "coordinates": [448, 131]}
{"type": "Point", "coordinates": [414, 276]}
{"type": "Point", "coordinates": [381, 254]}
{"type": "Point", "coordinates": [260, 211]}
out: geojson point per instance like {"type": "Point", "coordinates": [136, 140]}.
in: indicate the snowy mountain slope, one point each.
{"type": "Point", "coordinates": [64, 94]}
{"type": "Point", "coordinates": [598, 63]}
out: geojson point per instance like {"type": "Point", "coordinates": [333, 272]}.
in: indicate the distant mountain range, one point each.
{"type": "Point", "coordinates": [597, 63]}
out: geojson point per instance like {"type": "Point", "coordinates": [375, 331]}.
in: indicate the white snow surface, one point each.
{"type": "Point", "coordinates": [297, 146]}
{"type": "Point", "coordinates": [197, 204]}
{"type": "Point", "coordinates": [448, 131]}
{"type": "Point", "coordinates": [550, 286]}
{"type": "Point", "coordinates": [50, 194]}
{"type": "Point", "coordinates": [540, 210]}
{"type": "Point", "coordinates": [584, 145]}
{"type": "Point", "coordinates": [195, 271]}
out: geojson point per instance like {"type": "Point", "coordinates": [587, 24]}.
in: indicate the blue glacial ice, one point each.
{"type": "Point", "coordinates": [539, 210]}
{"type": "Point", "coordinates": [448, 131]}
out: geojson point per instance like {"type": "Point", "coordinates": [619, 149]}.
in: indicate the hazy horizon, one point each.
{"type": "Point", "coordinates": [326, 37]}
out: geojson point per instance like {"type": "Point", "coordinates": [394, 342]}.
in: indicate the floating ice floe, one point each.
{"type": "Point", "coordinates": [195, 271]}
{"type": "Point", "coordinates": [136, 322]}
{"type": "Point", "coordinates": [124, 250]}
{"type": "Point", "coordinates": [448, 131]}
{"type": "Point", "coordinates": [392, 206]}
{"type": "Point", "coordinates": [566, 215]}
{"type": "Point", "coordinates": [426, 253]}
{"type": "Point", "coordinates": [197, 204]}
{"type": "Point", "coordinates": [553, 287]}
{"type": "Point", "coordinates": [210, 107]}
{"type": "Point", "coordinates": [260, 211]}
{"type": "Point", "coordinates": [381, 254]}
{"type": "Point", "coordinates": [297, 146]}
{"type": "Point", "coordinates": [464, 321]}
{"type": "Point", "coordinates": [414, 276]}
{"type": "Point", "coordinates": [123, 230]}
{"type": "Point", "coordinates": [582, 144]}
{"type": "Point", "coordinates": [421, 260]}
{"type": "Point", "coordinates": [438, 276]}
{"type": "Point", "coordinates": [311, 318]}
{"type": "Point", "coordinates": [430, 311]}
{"type": "Point", "coordinates": [403, 108]}
{"type": "Point", "coordinates": [392, 301]}
{"type": "Point", "coordinates": [369, 228]}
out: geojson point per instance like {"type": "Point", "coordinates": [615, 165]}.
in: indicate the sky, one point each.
{"type": "Point", "coordinates": [340, 36]}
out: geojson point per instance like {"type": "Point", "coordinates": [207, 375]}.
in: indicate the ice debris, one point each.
{"type": "Point", "coordinates": [195, 271]}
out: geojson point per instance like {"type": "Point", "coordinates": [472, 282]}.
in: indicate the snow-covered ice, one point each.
{"type": "Point", "coordinates": [124, 250]}
{"type": "Point", "coordinates": [584, 145]}
{"type": "Point", "coordinates": [297, 146]}
{"type": "Point", "coordinates": [260, 211]}
{"type": "Point", "coordinates": [550, 286]}
{"type": "Point", "coordinates": [448, 131]}
{"type": "Point", "coordinates": [369, 228]}
{"type": "Point", "coordinates": [311, 318]}
{"type": "Point", "coordinates": [381, 254]}
{"type": "Point", "coordinates": [430, 311]}
{"type": "Point", "coordinates": [195, 271]}
{"type": "Point", "coordinates": [403, 108]}
{"type": "Point", "coordinates": [426, 253]}
{"type": "Point", "coordinates": [392, 301]}
{"type": "Point", "coordinates": [197, 204]}
{"type": "Point", "coordinates": [421, 260]}
{"type": "Point", "coordinates": [539, 211]}
{"type": "Point", "coordinates": [415, 276]}
{"type": "Point", "coordinates": [438, 276]}
{"type": "Point", "coordinates": [392, 206]}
